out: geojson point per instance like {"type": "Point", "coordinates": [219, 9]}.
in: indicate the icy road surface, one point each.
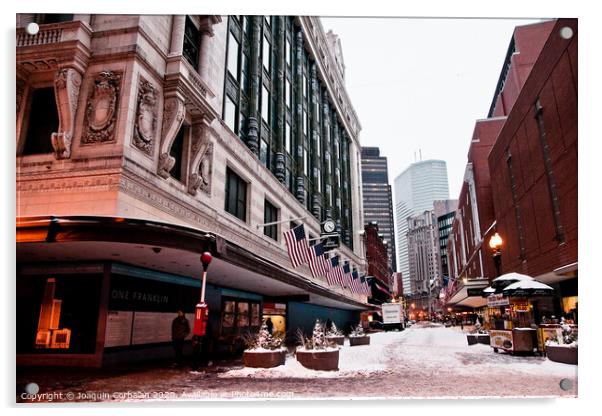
{"type": "Point", "coordinates": [422, 361]}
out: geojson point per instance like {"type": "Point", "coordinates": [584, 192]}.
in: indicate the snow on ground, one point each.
{"type": "Point", "coordinates": [430, 348]}
{"type": "Point", "coordinates": [354, 361]}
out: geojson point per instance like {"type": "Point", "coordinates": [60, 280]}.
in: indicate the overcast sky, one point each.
{"type": "Point", "coordinates": [422, 83]}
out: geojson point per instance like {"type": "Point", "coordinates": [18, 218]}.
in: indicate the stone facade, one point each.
{"type": "Point", "coordinates": [124, 88]}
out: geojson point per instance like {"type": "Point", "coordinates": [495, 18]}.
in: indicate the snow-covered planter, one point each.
{"type": "Point", "coordinates": [563, 350]}
{"type": "Point", "coordinates": [317, 352]}
{"type": "Point", "coordinates": [478, 335]}
{"type": "Point", "coordinates": [263, 349]}
{"type": "Point", "coordinates": [335, 335]}
{"type": "Point", "coordinates": [358, 336]}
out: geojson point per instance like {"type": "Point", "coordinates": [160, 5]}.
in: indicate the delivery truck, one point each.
{"type": "Point", "coordinates": [393, 316]}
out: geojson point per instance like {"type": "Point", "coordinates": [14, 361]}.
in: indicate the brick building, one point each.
{"type": "Point", "coordinates": [512, 183]}
{"type": "Point", "coordinates": [533, 167]}
{"type": "Point", "coordinates": [377, 259]}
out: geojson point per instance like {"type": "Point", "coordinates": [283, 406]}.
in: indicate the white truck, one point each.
{"type": "Point", "coordinates": [393, 317]}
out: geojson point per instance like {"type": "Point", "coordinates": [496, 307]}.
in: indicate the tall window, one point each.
{"type": "Point", "coordinates": [287, 137]}
{"type": "Point", "coordinates": [230, 111]}
{"type": "Point", "coordinates": [236, 195]}
{"type": "Point", "coordinates": [192, 39]}
{"type": "Point", "coordinates": [265, 52]}
{"type": "Point", "coordinates": [270, 214]}
{"type": "Point", "coordinates": [178, 152]}
{"type": "Point", "coordinates": [233, 49]}
{"type": "Point", "coordinates": [265, 104]}
{"type": "Point", "coordinates": [53, 18]}
{"type": "Point", "coordinates": [43, 121]}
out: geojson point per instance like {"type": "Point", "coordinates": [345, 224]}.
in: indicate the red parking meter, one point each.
{"type": "Point", "coordinates": [201, 316]}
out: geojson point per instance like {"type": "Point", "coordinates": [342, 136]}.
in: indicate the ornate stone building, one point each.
{"type": "Point", "coordinates": [143, 141]}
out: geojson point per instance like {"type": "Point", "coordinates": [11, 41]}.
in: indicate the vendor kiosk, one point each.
{"type": "Point", "coordinates": [511, 325]}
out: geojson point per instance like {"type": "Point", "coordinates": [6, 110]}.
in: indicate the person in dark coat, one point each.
{"type": "Point", "coordinates": [270, 325]}
{"type": "Point", "coordinates": [180, 328]}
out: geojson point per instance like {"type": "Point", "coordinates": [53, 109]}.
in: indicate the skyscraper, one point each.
{"type": "Point", "coordinates": [378, 202]}
{"type": "Point", "coordinates": [416, 188]}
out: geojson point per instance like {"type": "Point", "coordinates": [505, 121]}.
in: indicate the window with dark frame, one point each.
{"type": "Point", "coordinates": [239, 316]}
{"type": "Point", "coordinates": [192, 40]}
{"type": "Point", "coordinates": [43, 121]}
{"type": "Point", "coordinates": [270, 214]}
{"type": "Point", "coordinates": [236, 195]}
{"type": "Point", "coordinates": [177, 151]}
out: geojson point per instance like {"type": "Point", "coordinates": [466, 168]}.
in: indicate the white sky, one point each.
{"type": "Point", "coordinates": [422, 84]}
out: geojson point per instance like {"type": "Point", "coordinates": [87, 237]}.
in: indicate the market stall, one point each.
{"type": "Point", "coordinates": [509, 315]}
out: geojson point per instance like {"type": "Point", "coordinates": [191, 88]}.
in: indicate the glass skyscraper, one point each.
{"type": "Point", "coordinates": [416, 188]}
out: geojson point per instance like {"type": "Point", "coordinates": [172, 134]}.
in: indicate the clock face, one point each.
{"type": "Point", "coordinates": [329, 226]}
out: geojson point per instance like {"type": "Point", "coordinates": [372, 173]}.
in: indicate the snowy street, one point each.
{"type": "Point", "coordinates": [422, 361]}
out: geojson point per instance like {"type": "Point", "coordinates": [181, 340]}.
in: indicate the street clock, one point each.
{"type": "Point", "coordinates": [328, 226]}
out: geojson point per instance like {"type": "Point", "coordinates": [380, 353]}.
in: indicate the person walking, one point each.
{"type": "Point", "coordinates": [270, 325]}
{"type": "Point", "coordinates": [180, 328]}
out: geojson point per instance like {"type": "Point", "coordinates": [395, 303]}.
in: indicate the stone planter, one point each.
{"type": "Point", "coordinates": [264, 359]}
{"type": "Point", "coordinates": [560, 354]}
{"type": "Point", "coordinates": [365, 340]}
{"type": "Point", "coordinates": [337, 340]}
{"type": "Point", "coordinates": [478, 339]}
{"type": "Point", "coordinates": [325, 360]}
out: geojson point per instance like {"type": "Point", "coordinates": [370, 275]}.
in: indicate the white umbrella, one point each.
{"type": "Point", "coordinates": [512, 276]}
{"type": "Point", "coordinates": [528, 288]}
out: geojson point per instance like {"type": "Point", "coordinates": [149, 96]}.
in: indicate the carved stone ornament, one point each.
{"type": "Point", "coordinates": [202, 160]}
{"type": "Point", "coordinates": [101, 110]}
{"type": "Point", "coordinates": [173, 115]}
{"type": "Point", "coordinates": [20, 93]}
{"type": "Point", "coordinates": [146, 117]}
{"type": "Point", "coordinates": [67, 83]}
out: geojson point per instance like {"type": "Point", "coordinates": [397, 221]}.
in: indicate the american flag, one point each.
{"type": "Point", "coordinates": [297, 245]}
{"type": "Point", "coordinates": [347, 276]}
{"type": "Point", "coordinates": [356, 282]}
{"type": "Point", "coordinates": [335, 275]}
{"type": "Point", "coordinates": [317, 262]}
{"type": "Point", "coordinates": [365, 285]}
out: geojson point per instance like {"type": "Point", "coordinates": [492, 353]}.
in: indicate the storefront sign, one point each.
{"type": "Point", "coordinates": [274, 308]}
{"type": "Point", "coordinates": [501, 339]}
{"type": "Point", "coordinates": [497, 300]}
{"type": "Point", "coordinates": [520, 306]}
{"type": "Point", "coordinates": [330, 241]}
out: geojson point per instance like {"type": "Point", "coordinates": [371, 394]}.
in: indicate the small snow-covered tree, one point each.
{"type": "Point", "coordinates": [334, 331]}
{"type": "Point", "coordinates": [318, 335]}
{"type": "Point", "coordinates": [263, 339]}
{"type": "Point", "coordinates": [358, 331]}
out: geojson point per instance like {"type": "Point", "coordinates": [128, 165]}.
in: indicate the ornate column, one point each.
{"type": "Point", "coordinates": [280, 97]}
{"type": "Point", "coordinates": [337, 168]}
{"type": "Point", "coordinates": [201, 160]}
{"type": "Point", "coordinates": [315, 139]}
{"type": "Point", "coordinates": [253, 126]}
{"type": "Point", "coordinates": [67, 82]}
{"type": "Point", "coordinates": [299, 116]}
{"type": "Point", "coordinates": [206, 30]}
{"type": "Point", "coordinates": [177, 34]}
{"type": "Point", "coordinates": [327, 150]}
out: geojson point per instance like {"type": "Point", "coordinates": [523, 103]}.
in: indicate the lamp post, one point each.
{"type": "Point", "coordinates": [202, 310]}
{"type": "Point", "coordinates": [495, 242]}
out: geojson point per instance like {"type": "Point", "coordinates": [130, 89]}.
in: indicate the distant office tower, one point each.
{"type": "Point", "coordinates": [416, 188]}
{"type": "Point", "coordinates": [423, 252]}
{"type": "Point", "coordinates": [444, 211]}
{"type": "Point", "coordinates": [378, 202]}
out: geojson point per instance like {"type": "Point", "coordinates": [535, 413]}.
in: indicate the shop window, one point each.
{"type": "Point", "coordinates": [270, 214]}
{"type": "Point", "coordinates": [236, 195]}
{"type": "Point", "coordinates": [54, 317]}
{"type": "Point", "coordinates": [192, 39]}
{"type": "Point", "coordinates": [239, 317]}
{"type": "Point", "coordinates": [178, 152]}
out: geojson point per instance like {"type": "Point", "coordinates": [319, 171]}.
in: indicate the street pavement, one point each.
{"type": "Point", "coordinates": [426, 360]}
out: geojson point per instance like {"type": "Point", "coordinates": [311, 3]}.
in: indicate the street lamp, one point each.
{"type": "Point", "coordinates": [495, 242]}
